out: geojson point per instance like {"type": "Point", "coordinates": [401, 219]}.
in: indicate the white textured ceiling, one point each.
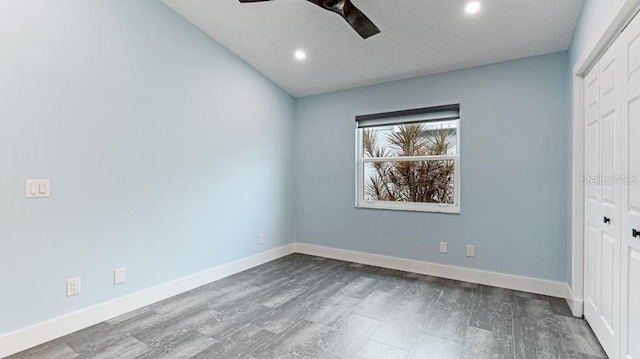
{"type": "Point", "coordinates": [418, 37]}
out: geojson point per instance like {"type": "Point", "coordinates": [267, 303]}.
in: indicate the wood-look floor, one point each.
{"type": "Point", "coordinates": [308, 307]}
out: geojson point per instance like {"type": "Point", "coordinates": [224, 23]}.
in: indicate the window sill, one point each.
{"type": "Point", "coordinates": [409, 207]}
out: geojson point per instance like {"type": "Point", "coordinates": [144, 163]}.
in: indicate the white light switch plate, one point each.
{"type": "Point", "coordinates": [471, 250]}
{"type": "Point", "coordinates": [443, 247]}
{"type": "Point", "coordinates": [37, 188]}
{"type": "Point", "coordinates": [120, 276]}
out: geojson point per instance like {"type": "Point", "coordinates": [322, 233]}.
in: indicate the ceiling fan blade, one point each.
{"type": "Point", "coordinates": [359, 21]}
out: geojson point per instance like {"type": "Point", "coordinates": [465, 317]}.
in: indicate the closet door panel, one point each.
{"type": "Point", "coordinates": [603, 201]}
{"type": "Point", "coordinates": [592, 285]}
{"type": "Point", "coordinates": [632, 192]}
{"type": "Point", "coordinates": [609, 273]}
{"type": "Point", "coordinates": [610, 135]}
{"type": "Point", "coordinates": [631, 331]}
{"type": "Point", "coordinates": [608, 160]}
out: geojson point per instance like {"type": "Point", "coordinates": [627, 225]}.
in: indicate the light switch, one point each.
{"type": "Point", "coordinates": [443, 247]}
{"type": "Point", "coordinates": [36, 188]}
{"type": "Point", "coordinates": [119, 276]}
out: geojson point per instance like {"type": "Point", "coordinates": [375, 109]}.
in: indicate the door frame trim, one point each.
{"type": "Point", "coordinates": [598, 45]}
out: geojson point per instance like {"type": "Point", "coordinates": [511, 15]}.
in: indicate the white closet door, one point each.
{"type": "Point", "coordinates": [630, 111]}
{"type": "Point", "coordinates": [603, 197]}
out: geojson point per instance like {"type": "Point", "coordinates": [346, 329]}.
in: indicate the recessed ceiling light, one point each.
{"type": "Point", "coordinates": [472, 8]}
{"type": "Point", "coordinates": [300, 55]}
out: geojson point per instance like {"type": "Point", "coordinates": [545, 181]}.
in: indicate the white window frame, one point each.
{"type": "Point", "coordinates": [428, 116]}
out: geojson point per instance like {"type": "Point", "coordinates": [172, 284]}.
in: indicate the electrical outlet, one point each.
{"type": "Point", "coordinates": [119, 276]}
{"type": "Point", "coordinates": [260, 238]}
{"type": "Point", "coordinates": [443, 247]}
{"type": "Point", "coordinates": [471, 250]}
{"type": "Point", "coordinates": [73, 287]}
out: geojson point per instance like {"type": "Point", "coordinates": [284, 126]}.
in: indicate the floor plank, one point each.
{"type": "Point", "coordinates": [449, 317]}
{"type": "Point", "coordinates": [485, 344]}
{"type": "Point", "coordinates": [428, 346]}
{"type": "Point", "coordinates": [400, 329]}
{"type": "Point", "coordinates": [578, 338]}
{"type": "Point", "coordinates": [535, 328]}
{"type": "Point", "coordinates": [376, 350]}
{"type": "Point", "coordinates": [349, 336]}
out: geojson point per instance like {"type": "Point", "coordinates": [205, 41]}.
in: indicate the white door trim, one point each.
{"type": "Point", "coordinates": [596, 48]}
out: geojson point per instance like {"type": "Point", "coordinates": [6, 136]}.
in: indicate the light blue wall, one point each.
{"type": "Point", "coordinates": [513, 170]}
{"type": "Point", "coordinates": [166, 153]}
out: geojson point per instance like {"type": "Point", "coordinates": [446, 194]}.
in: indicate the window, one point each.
{"type": "Point", "coordinates": [409, 160]}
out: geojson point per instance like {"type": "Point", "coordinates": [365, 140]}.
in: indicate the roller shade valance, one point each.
{"type": "Point", "coordinates": [439, 113]}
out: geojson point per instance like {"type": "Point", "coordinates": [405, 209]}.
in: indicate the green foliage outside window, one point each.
{"type": "Point", "coordinates": [428, 181]}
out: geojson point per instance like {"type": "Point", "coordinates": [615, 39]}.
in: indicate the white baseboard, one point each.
{"type": "Point", "coordinates": [26, 338]}
{"type": "Point", "coordinates": [576, 304]}
{"type": "Point", "coordinates": [526, 284]}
